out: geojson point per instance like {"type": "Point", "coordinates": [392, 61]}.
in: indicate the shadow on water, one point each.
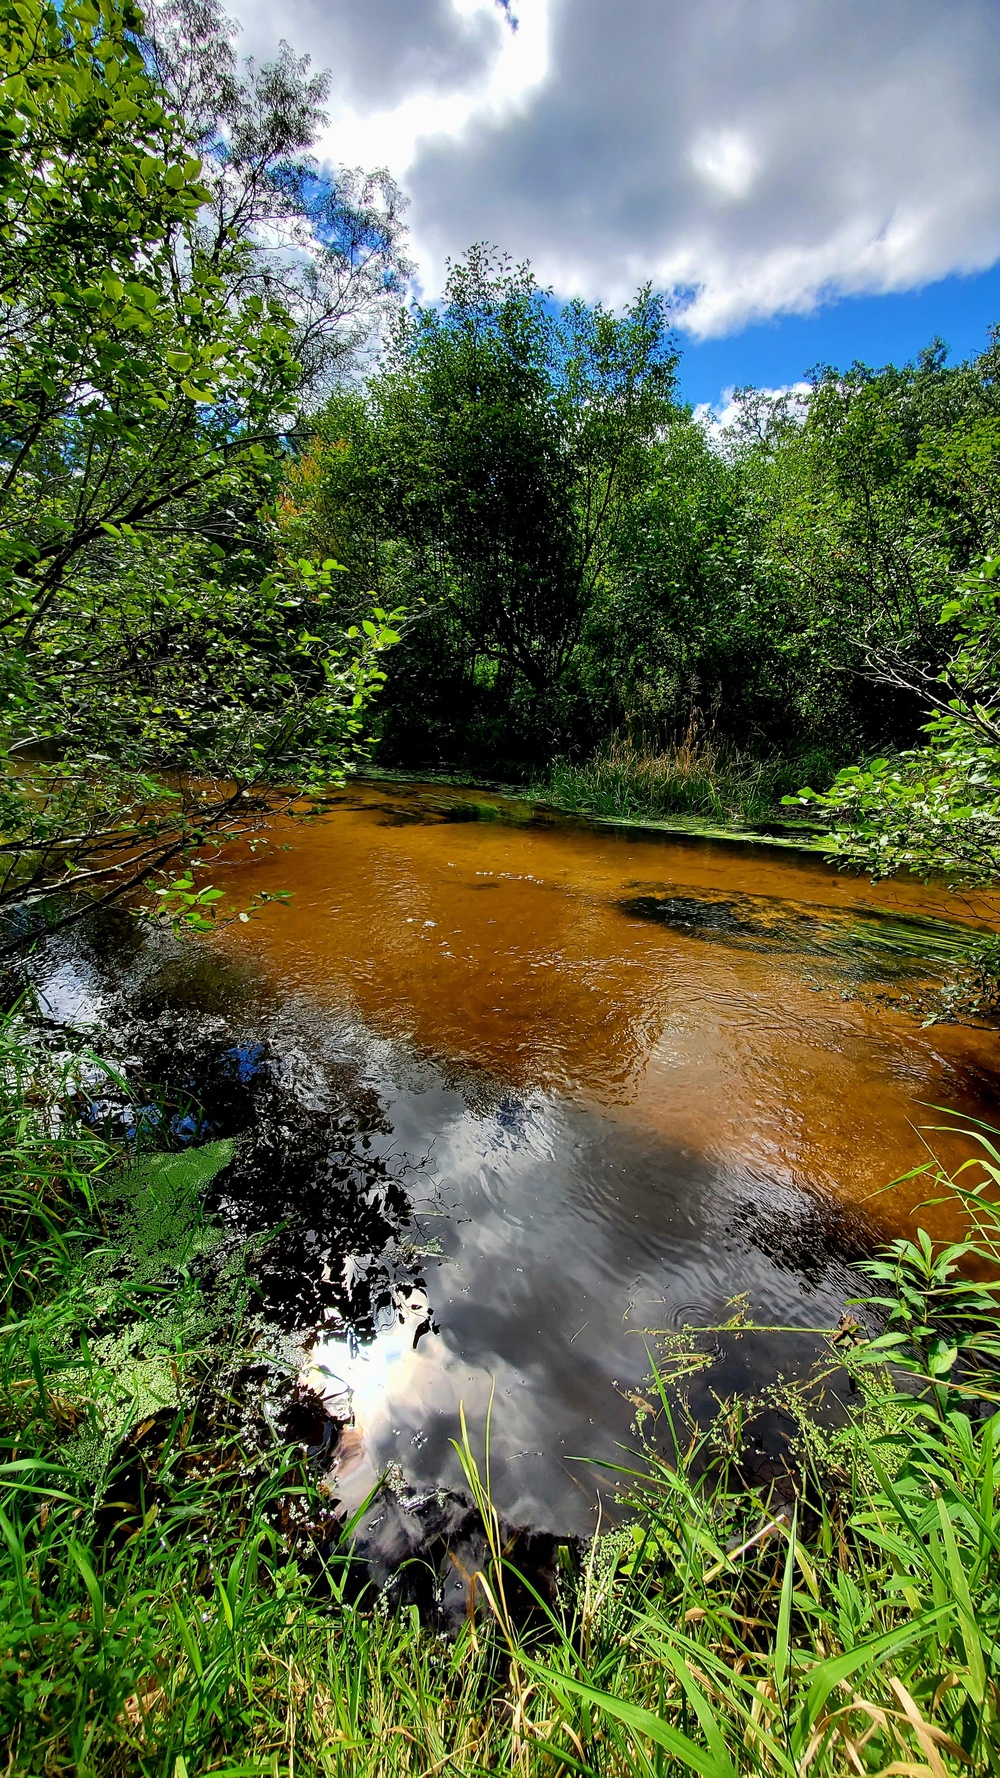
{"type": "Point", "coordinates": [488, 1142]}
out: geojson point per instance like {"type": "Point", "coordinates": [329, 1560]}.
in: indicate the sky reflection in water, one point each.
{"type": "Point", "coordinates": [636, 1076]}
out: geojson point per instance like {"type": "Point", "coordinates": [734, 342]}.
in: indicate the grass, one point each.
{"type": "Point", "coordinates": [175, 1599]}
{"type": "Point", "coordinates": [698, 776]}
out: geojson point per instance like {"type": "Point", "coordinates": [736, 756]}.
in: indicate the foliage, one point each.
{"type": "Point", "coordinates": [149, 372]}
{"type": "Point", "coordinates": [130, 377]}
{"type": "Point", "coordinates": [934, 809]}
{"type": "Point", "coordinates": [327, 248]}
{"type": "Point", "coordinates": [737, 580]}
{"type": "Point", "coordinates": [482, 479]}
{"type": "Point", "coordinates": [180, 283]}
{"type": "Point", "coordinates": [670, 632]}
{"type": "Point", "coordinates": [868, 493]}
{"type": "Point", "coordinates": [888, 487]}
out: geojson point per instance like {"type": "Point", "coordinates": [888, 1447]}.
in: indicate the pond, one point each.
{"type": "Point", "coordinates": [617, 1079]}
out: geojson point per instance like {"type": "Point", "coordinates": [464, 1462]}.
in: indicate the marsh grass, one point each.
{"type": "Point", "coordinates": [698, 776]}
{"type": "Point", "coordinates": [187, 1606]}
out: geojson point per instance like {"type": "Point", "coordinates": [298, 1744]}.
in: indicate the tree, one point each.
{"type": "Point", "coordinates": [684, 632]}
{"type": "Point", "coordinates": [328, 246]}
{"type": "Point", "coordinates": [145, 389]}
{"type": "Point", "coordinates": [484, 479]}
{"type": "Point", "coordinates": [862, 498]}
{"type": "Point", "coordinates": [888, 488]}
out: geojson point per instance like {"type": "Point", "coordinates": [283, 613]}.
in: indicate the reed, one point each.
{"type": "Point", "coordinates": [166, 1618]}
{"type": "Point", "coordinates": [699, 776]}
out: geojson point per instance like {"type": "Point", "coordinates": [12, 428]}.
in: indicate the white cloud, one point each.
{"type": "Point", "coordinates": [446, 64]}
{"type": "Point", "coordinates": [726, 161]}
{"type": "Point", "coordinates": [394, 135]}
{"type": "Point", "coordinates": [762, 155]}
{"type": "Point", "coordinates": [717, 417]}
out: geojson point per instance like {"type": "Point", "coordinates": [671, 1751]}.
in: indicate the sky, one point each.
{"type": "Point", "coordinates": [814, 180]}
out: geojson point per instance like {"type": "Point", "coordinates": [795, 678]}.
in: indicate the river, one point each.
{"type": "Point", "coordinates": [622, 1078]}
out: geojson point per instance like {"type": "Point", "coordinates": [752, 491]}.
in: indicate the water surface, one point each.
{"type": "Point", "coordinates": [626, 1079]}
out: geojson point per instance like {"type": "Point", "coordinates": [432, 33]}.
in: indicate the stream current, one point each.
{"type": "Point", "coordinates": [617, 1078]}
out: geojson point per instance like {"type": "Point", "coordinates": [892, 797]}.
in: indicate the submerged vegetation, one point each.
{"type": "Point", "coordinates": [234, 471]}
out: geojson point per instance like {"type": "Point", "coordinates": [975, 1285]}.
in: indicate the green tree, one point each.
{"type": "Point", "coordinates": [684, 633]}
{"type": "Point", "coordinates": [889, 487]}
{"type": "Point", "coordinates": [485, 478]}
{"type": "Point", "coordinates": [145, 388]}
{"type": "Point", "coordinates": [934, 809]}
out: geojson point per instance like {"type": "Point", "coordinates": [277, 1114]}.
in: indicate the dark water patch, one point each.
{"type": "Point", "coordinates": [430, 1550]}
{"type": "Point", "coordinates": [315, 1182]}
{"type": "Point", "coordinates": [800, 1237]}
{"type": "Point", "coordinates": [313, 1168]}
{"type": "Point", "coordinates": [686, 914]}
{"type": "Point", "coordinates": [877, 945]}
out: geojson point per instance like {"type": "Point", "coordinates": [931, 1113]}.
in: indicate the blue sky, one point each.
{"type": "Point", "coordinates": [875, 329]}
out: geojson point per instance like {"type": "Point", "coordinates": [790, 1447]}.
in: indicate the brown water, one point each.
{"type": "Point", "coordinates": [640, 1075]}
{"type": "Point", "coordinates": [512, 951]}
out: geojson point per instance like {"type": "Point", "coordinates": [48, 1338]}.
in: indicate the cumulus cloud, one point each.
{"type": "Point", "coordinates": [758, 156]}
{"type": "Point", "coordinates": [406, 73]}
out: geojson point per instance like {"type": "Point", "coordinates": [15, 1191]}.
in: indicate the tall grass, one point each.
{"type": "Point", "coordinates": [699, 776]}
{"type": "Point", "coordinates": [185, 1606]}
{"type": "Point", "coordinates": [856, 1628]}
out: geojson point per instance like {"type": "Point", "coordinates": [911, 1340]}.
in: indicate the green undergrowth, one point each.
{"type": "Point", "coordinates": [699, 777]}
{"type": "Point", "coordinates": [175, 1598]}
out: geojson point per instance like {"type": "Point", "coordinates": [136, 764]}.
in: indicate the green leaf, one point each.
{"type": "Point", "coordinates": [870, 1653]}
{"type": "Point", "coordinates": [969, 1624]}
{"type": "Point", "coordinates": [640, 1721]}
{"type": "Point", "coordinates": [93, 1587]}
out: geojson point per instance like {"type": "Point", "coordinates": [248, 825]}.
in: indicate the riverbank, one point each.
{"type": "Point", "coordinates": [539, 801]}
{"type": "Point", "coordinates": [696, 779]}
{"type": "Point", "coordinates": [177, 1596]}
{"type": "Point", "coordinates": [699, 791]}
